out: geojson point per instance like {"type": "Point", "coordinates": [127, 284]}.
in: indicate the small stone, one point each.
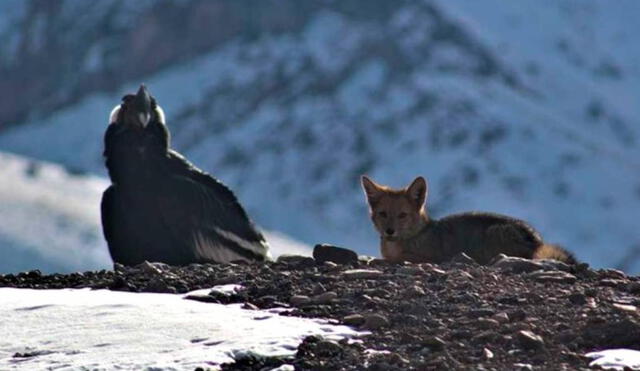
{"type": "Point", "coordinates": [410, 270]}
{"type": "Point", "coordinates": [625, 307]}
{"type": "Point", "coordinates": [34, 274]}
{"type": "Point", "coordinates": [578, 299]}
{"type": "Point", "coordinates": [487, 323]}
{"type": "Point", "coordinates": [517, 265]}
{"type": "Point", "coordinates": [610, 282]}
{"type": "Point", "coordinates": [434, 343]}
{"type": "Point", "coordinates": [464, 259]}
{"type": "Point", "coordinates": [522, 367]}
{"type": "Point", "coordinates": [249, 306]}
{"type": "Point", "coordinates": [613, 273]}
{"type": "Point", "coordinates": [356, 274]}
{"type": "Point", "coordinates": [335, 254]}
{"type": "Point", "coordinates": [296, 261]}
{"type": "Point", "coordinates": [375, 321]}
{"type": "Point", "coordinates": [158, 285]}
{"type": "Point", "coordinates": [324, 298]}
{"type": "Point", "coordinates": [529, 340]}
{"type": "Point", "coordinates": [501, 317]}
{"type": "Point", "coordinates": [431, 269]}
{"type": "Point", "coordinates": [151, 268]}
{"type": "Point", "coordinates": [480, 312]}
{"type": "Point", "coordinates": [353, 320]}
{"type": "Point", "coordinates": [633, 287]}
{"type": "Point", "coordinates": [488, 354]}
{"type": "Point", "coordinates": [552, 276]}
{"type": "Point", "coordinates": [330, 265]}
{"type": "Point", "coordinates": [414, 291]}
{"type": "Point", "coordinates": [299, 300]}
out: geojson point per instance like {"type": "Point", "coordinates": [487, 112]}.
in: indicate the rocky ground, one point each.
{"type": "Point", "coordinates": [514, 314]}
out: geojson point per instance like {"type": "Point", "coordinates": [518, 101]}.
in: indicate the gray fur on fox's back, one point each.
{"type": "Point", "coordinates": [482, 236]}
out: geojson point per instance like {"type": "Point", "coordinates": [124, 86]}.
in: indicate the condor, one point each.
{"type": "Point", "coordinates": [159, 206]}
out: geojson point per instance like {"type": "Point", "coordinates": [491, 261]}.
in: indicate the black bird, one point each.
{"type": "Point", "coordinates": [159, 206]}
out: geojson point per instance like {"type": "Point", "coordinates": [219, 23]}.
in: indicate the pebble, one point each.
{"type": "Point", "coordinates": [501, 317]}
{"type": "Point", "coordinates": [375, 321]}
{"type": "Point", "coordinates": [552, 276]}
{"type": "Point", "coordinates": [329, 253]}
{"type": "Point", "coordinates": [529, 340]}
{"type": "Point", "coordinates": [249, 306]}
{"type": "Point", "coordinates": [296, 261]}
{"type": "Point", "coordinates": [633, 287]}
{"type": "Point", "coordinates": [353, 320]}
{"type": "Point", "coordinates": [522, 367]}
{"type": "Point", "coordinates": [578, 298]}
{"type": "Point", "coordinates": [299, 300]}
{"type": "Point", "coordinates": [480, 312]}
{"type": "Point", "coordinates": [410, 270]}
{"type": "Point", "coordinates": [464, 259]}
{"type": "Point", "coordinates": [610, 282]}
{"type": "Point", "coordinates": [488, 354]}
{"type": "Point", "coordinates": [324, 298]}
{"type": "Point", "coordinates": [434, 343]}
{"type": "Point", "coordinates": [355, 274]}
{"type": "Point", "coordinates": [625, 307]}
{"type": "Point", "coordinates": [487, 323]}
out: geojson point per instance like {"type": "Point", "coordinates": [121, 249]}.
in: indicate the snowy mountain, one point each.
{"type": "Point", "coordinates": [518, 108]}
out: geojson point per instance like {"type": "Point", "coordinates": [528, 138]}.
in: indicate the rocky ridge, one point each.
{"type": "Point", "coordinates": [514, 314]}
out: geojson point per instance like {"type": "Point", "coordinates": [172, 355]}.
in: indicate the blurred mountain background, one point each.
{"type": "Point", "coordinates": [527, 108]}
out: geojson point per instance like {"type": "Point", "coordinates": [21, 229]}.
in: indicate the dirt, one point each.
{"type": "Point", "coordinates": [513, 315]}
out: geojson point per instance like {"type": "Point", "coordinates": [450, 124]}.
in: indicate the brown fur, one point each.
{"type": "Point", "coordinates": [408, 234]}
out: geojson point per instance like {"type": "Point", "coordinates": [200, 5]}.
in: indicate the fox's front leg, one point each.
{"type": "Point", "coordinates": [392, 251]}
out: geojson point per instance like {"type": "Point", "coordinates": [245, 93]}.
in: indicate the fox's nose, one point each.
{"type": "Point", "coordinates": [390, 231]}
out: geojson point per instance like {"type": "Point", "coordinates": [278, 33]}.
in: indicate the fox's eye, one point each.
{"type": "Point", "coordinates": [402, 215]}
{"type": "Point", "coordinates": [382, 214]}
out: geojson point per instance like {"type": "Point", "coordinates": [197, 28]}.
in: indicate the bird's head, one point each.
{"type": "Point", "coordinates": [137, 110]}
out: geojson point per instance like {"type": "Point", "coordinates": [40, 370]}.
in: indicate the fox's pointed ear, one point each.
{"type": "Point", "coordinates": [372, 190]}
{"type": "Point", "coordinates": [417, 191]}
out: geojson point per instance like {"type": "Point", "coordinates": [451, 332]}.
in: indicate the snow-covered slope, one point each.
{"type": "Point", "coordinates": [103, 330]}
{"type": "Point", "coordinates": [50, 219]}
{"type": "Point", "coordinates": [516, 108]}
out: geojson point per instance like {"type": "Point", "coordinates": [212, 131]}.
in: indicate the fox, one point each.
{"type": "Point", "coordinates": [407, 233]}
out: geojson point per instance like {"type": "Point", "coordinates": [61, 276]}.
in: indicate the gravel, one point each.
{"type": "Point", "coordinates": [457, 315]}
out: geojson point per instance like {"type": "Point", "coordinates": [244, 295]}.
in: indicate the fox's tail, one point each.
{"type": "Point", "coordinates": [548, 251]}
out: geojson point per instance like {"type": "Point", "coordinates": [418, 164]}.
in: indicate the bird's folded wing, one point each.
{"type": "Point", "coordinates": [214, 224]}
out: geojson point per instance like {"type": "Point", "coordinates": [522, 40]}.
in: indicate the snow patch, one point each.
{"type": "Point", "coordinates": [100, 329]}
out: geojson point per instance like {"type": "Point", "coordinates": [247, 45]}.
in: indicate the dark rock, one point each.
{"type": "Point", "coordinates": [296, 261]}
{"type": "Point", "coordinates": [529, 340]}
{"type": "Point", "coordinates": [610, 282]}
{"type": "Point", "coordinates": [410, 270]}
{"type": "Point", "coordinates": [552, 276]}
{"type": "Point", "coordinates": [480, 312]}
{"type": "Point", "coordinates": [375, 321]}
{"type": "Point", "coordinates": [353, 320]}
{"type": "Point", "coordinates": [578, 298]}
{"type": "Point", "coordinates": [299, 300]}
{"type": "Point", "coordinates": [434, 343]}
{"type": "Point", "coordinates": [516, 265]}
{"type": "Point", "coordinates": [324, 298]}
{"type": "Point", "coordinates": [486, 323]}
{"type": "Point", "coordinates": [633, 287]}
{"type": "Point", "coordinates": [464, 259]}
{"type": "Point", "coordinates": [338, 255]}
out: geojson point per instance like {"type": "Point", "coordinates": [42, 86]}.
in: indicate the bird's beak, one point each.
{"type": "Point", "coordinates": [142, 106]}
